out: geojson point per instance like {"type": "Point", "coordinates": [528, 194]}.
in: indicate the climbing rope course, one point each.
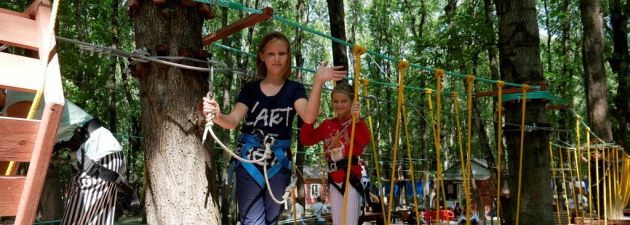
{"type": "Point", "coordinates": [615, 188]}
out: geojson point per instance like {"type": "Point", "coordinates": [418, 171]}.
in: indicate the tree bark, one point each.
{"type": "Point", "coordinates": [519, 52]}
{"type": "Point", "coordinates": [180, 175]}
{"type": "Point", "coordinates": [112, 67]}
{"type": "Point", "coordinates": [50, 203]}
{"type": "Point", "coordinates": [620, 62]}
{"type": "Point", "coordinates": [594, 70]}
{"type": "Point", "coordinates": [338, 30]}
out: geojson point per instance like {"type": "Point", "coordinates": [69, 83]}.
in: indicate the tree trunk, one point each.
{"type": "Point", "coordinates": [594, 70]}
{"type": "Point", "coordinates": [548, 27]}
{"type": "Point", "coordinates": [338, 30]}
{"type": "Point", "coordinates": [299, 61]}
{"type": "Point", "coordinates": [519, 52]}
{"type": "Point", "coordinates": [620, 63]}
{"type": "Point", "coordinates": [112, 67]}
{"type": "Point", "coordinates": [180, 175]}
{"type": "Point", "coordinates": [50, 203]}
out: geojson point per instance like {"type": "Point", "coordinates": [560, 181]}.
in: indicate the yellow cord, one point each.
{"type": "Point", "coordinates": [365, 82]}
{"type": "Point", "coordinates": [469, 83]}
{"type": "Point", "coordinates": [438, 104]}
{"type": "Point", "coordinates": [564, 182]}
{"type": "Point", "coordinates": [604, 182]}
{"type": "Point", "coordinates": [571, 182]}
{"type": "Point", "coordinates": [294, 209]}
{"type": "Point", "coordinates": [500, 85]}
{"type": "Point", "coordinates": [358, 51]}
{"type": "Point", "coordinates": [590, 190]}
{"type": "Point", "coordinates": [520, 163]}
{"type": "Point", "coordinates": [402, 66]}
{"type": "Point", "coordinates": [599, 209]}
{"type": "Point", "coordinates": [435, 142]}
{"type": "Point", "coordinates": [461, 153]}
{"type": "Point", "coordinates": [553, 175]}
{"type": "Point", "coordinates": [578, 166]}
{"type": "Point", "coordinates": [413, 180]}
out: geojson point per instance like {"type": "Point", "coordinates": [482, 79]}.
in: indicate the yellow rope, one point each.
{"type": "Point", "coordinates": [469, 81]}
{"type": "Point", "coordinates": [590, 190]}
{"type": "Point", "coordinates": [571, 182]}
{"type": "Point", "coordinates": [604, 182]}
{"type": "Point", "coordinates": [500, 85]}
{"type": "Point", "coordinates": [435, 142]}
{"type": "Point", "coordinates": [553, 175]}
{"type": "Point", "coordinates": [607, 202]}
{"type": "Point", "coordinates": [413, 180]}
{"type": "Point", "coordinates": [402, 66]}
{"type": "Point", "coordinates": [438, 104]}
{"type": "Point", "coordinates": [365, 82]}
{"type": "Point", "coordinates": [578, 166]}
{"type": "Point", "coordinates": [597, 184]}
{"type": "Point", "coordinates": [564, 182]}
{"type": "Point", "coordinates": [358, 51]}
{"type": "Point", "coordinates": [520, 163]}
{"type": "Point", "coordinates": [461, 155]}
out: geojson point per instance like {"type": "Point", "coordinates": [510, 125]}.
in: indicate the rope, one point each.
{"type": "Point", "coordinates": [358, 51]}
{"type": "Point", "coordinates": [520, 164]}
{"type": "Point", "coordinates": [438, 104]}
{"type": "Point", "coordinates": [365, 82]}
{"type": "Point", "coordinates": [603, 178]}
{"type": "Point", "coordinates": [48, 39]}
{"type": "Point", "coordinates": [469, 82]}
{"type": "Point", "coordinates": [461, 155]}
{"type": "Point", "coordinates": [564, 182]}
{"type": "Point", "coordinates": [588, 149]}
{"type": "Point", "coordinates": [499, 145]}
{"type": "Point", "coordinates": [402, 66]}
{"type": "Point", "coordinates": [553, 175]}
{"type": "Point", "coordinates": [578, 165]}
{"type": "Point", "coordinates": [437, 145]}
{"type": "Point", "coordinates": [413, 180]}
{"type": "Point", "coordinates": [599, 209]}
{"type": "Point", "coordinates": [571, 184]}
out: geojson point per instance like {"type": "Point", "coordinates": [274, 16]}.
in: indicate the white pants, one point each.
{"type": "Point", "coordinates": [352, 206]}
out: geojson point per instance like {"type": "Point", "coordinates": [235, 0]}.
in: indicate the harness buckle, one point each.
{"type": "Point", "coordinates": [269, 140]}
{"type": "Point", "coordinates": [332, 167]}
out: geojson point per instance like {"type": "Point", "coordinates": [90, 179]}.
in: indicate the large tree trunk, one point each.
{"type": "Point", "coordinates": [299, 61]}
{"type": "Point", "coordinates": [112, 76]}
{"type": "Point", "coordinates": [620, 63]}
{"type": "Point", "coordinates": [338, 30]}
{"type": "Point", "coordinates": [594, 70]}
{"type": "Point", "coordinates": [180, 173]}
{"type": "Point", "coordinates": [50, 203]}
{"type": "Point", "coordinates": [519, 52]}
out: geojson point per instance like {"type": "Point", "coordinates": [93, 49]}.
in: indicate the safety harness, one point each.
{"type": "Point", "coordinates": [93, 168]}
{"type": "Point", "coordinates": [278, 146]}
{"type": "Point", "coordinates": [354, 180]}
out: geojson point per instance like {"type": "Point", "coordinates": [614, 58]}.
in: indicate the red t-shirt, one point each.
{"type": "Point", "coordinates": [326, 132]}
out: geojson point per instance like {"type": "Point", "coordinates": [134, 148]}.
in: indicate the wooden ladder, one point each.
{"type": "Point", "coordinates": [24, 140]}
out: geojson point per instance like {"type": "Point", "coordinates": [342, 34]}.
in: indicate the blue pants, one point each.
{"type": "Point", "coordinates": [255, 206]}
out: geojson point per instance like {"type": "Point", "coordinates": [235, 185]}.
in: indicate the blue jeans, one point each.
{"type": "Point", "coordinates": [255, 206]}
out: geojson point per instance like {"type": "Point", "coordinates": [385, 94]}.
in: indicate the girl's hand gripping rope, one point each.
{"type": "Point", "coordinates": [210, 110]}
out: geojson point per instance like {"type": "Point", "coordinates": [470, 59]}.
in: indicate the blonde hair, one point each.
{"type": "Point", "coordinates": [345, 88]}
{"type": "Point", "coordinates": [268, 38]}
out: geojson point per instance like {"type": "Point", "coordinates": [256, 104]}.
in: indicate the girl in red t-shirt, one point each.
{"type": "Point", "coordinates": [336, 133]}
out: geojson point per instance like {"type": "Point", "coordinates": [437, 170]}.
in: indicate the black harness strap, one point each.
{"type": "Point", "coordinates": [354, 180]}
{"type": "Point", "coordinates": [91, 167]}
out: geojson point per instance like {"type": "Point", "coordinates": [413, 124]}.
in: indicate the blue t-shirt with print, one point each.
{"type": "Point", "coordinates": [271, 115]}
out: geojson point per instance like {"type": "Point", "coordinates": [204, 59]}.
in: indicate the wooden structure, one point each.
{"type": "Point", "coordinates": [28, 140]}
{"type": "Point", "coordinates": [243, 23]}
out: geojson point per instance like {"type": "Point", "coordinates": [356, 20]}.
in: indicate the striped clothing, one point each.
{"type": "Point", "coordinates": [93, 200]}
{"type": "Point", "coordinates": [352, 207]}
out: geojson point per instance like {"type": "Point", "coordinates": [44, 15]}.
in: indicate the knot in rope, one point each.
{"type": "Point", "coordinates": [439, 74]}
{"type": "Point", "coordinates": [365, 82]}
{"type": "Point", "coordinates": [525, 87]}
{"type": "Point", "coordinates": [470, 78]}
{"type": "Point", "coordinates": [403, 65]}
{"type": "Point", "coordinates": [454, 94]}
{"type": "Point", "coordinates": [500, 84]}
{"type": "Point", "coordinates": [577, 117]}
{"type": "Point", "coordinates": [359, 50]}
{"type": "Point", "coordinates": [428, 91]}
{"type": "Point", "coordinates": [588, 129]}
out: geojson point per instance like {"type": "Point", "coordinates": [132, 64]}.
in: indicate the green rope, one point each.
{"type": "Point", "coordinates": [239, 6]}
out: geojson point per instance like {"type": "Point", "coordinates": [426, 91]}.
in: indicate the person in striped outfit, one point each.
{"type": "Point", "coordinates": [92, 199]}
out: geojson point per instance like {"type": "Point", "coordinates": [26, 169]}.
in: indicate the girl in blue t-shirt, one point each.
{"type": "Point", "coordinates": [269, 106]}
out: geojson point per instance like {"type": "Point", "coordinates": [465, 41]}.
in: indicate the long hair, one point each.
{"type": "Point", "coordinates": [268, 38]}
